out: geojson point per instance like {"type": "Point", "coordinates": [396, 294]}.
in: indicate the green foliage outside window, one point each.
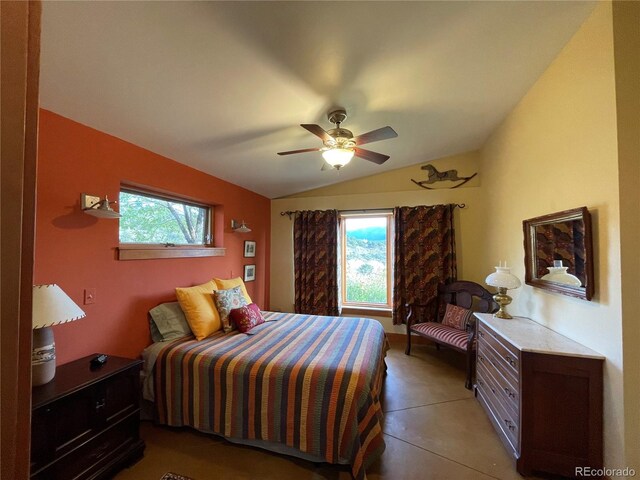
{"type": "Point", "coordinates": [156, 220]}
{"type": "Point", "coordinates": [366, 263]}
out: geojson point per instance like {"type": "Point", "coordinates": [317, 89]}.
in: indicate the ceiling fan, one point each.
{"type": "Point", "coordinates": [340, 145]}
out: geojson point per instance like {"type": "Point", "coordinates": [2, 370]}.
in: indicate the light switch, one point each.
{"type": "Point", "coordinates": [89, 296]}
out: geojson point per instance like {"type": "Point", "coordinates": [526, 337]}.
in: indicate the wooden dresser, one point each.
{"type": "Point", "coordinates": [85, 423]}
{"type": "Point", "coordinates": [543, 394]}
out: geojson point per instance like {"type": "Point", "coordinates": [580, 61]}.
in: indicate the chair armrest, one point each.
{"type": "Point", "coordinates": [471, 330]}
{"type": "Point", "coordinates": [471, 325]}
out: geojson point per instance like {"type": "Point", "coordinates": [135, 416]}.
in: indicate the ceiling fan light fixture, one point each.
{"type": "Point", "coordinates": [338, 157]}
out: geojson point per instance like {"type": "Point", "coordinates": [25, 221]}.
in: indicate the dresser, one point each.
{"type": "Point", "coordinates": [542, 393]}
{"type": "Point", "coordinates": [85, 422]}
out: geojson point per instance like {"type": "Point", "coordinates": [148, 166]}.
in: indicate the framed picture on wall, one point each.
{"type": "Point", "coordinates": [249, 248]}
{"type": "Point", "coordinates": [249, 273]}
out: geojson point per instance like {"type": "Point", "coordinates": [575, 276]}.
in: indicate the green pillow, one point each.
{"type": "Point", "coordinates": [168, 322]}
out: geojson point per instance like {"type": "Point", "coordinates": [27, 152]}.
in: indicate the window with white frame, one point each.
{"type": "Point", "coordinates": [366, 260]}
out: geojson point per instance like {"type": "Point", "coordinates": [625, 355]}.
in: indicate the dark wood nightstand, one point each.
{"type": "Point", "coordinates": [85, 423]}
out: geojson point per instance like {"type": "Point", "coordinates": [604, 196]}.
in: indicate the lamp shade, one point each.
{"type": "Point", "coordinates": [338, 157]}
{"type": "Point", "coordinates": [51, 306]}
{"type": "Point", "coordinates": [503, 278]}
{"type": "Point", "coordinates": [560, 275]}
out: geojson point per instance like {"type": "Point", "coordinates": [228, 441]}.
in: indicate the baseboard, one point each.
{"type": "Point", "coordinates": [402, 338]}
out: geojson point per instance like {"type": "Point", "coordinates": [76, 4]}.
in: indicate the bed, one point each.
{"type": "Point", "coordinates": [305, 385]}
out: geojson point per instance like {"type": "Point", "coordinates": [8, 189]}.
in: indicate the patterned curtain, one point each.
{"type": "Point", "coordinates": [425, 255]}
{"type": "Point", "coordinates": [315, 251]}
{"type": "Point", "coordinates": [561, 241]}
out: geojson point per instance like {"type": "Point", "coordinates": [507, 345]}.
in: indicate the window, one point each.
{"type": "Point", "coordinates": [159, 226]}
{"type": "Point", "coordinates": [366, 260]}
{"type": "Point", "coordinates": [153, 219]}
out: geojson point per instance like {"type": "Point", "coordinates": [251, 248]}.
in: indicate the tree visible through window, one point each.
{"type": "Point", "coordinates": [149, 219]}
{"type": "Point", "coordinates": [366, 260]}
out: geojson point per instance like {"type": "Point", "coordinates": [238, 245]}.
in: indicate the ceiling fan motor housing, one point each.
{"type": "Point", "coordinates": [341, 138]}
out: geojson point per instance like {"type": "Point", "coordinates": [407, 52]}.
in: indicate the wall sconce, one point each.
{"type": "Point", "coordinates": [98, 208]}
{"type": "Point", "coordinates": [239, 227]}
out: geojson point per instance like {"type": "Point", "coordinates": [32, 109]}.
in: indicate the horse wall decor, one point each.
{"type": "Point", "coordinates": [436, 176]}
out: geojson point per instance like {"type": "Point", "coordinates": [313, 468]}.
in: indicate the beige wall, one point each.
{"type": "Point", "coordinates": [558, 150]}
{"type": "Point", "coordinates": [399, 180]}
{"type": "Point", "coordinates": [381, 191]}
{"type": "Point", "coordinates": [626, 22]}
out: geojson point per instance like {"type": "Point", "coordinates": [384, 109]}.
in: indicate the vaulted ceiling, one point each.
{"type": "Point", "coordinates": [223, 86]}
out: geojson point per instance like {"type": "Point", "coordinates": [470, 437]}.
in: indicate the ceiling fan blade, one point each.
{"type": "Point", "coordinates": [383, 133]}
{"type": "Point", "coordinates": [374, 157]}
{"type": "Point", "coordinates": [291, 152]}
{"type": "Point", "coordinates": [317, 130]}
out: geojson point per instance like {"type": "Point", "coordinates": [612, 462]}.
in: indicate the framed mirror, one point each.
{"type": "Point", "coordinates": [558, 254]}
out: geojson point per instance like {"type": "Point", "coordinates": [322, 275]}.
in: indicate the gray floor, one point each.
{"type": "Point", "coordinates": [433, 429]}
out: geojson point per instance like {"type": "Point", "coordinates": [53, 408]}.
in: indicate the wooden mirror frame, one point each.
{"type": "Point", "coordinates": [530, 259]}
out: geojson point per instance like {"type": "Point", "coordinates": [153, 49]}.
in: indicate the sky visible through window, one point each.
{"type": "Point", "coordinates": [366, 260]}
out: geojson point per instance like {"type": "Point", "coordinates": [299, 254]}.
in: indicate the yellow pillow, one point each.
{"type": "Point", "coordinates": [233, 282]}
{"type": "Point", "coordinates": [198, 307]}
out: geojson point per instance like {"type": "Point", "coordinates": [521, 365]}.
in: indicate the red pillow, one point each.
{"type": "Point", "coordinates": [457, 317]}
{"type": "Point", "coordinates": [246, 317]}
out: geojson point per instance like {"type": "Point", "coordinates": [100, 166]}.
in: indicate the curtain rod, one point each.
{"type": "Point", "coordinates": [290, 213]}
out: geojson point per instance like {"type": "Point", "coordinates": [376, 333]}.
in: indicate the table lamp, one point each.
{"type": "Point", "coordinates": [51, 306]}
{"type": "Point", "coordinates": [504, 280]}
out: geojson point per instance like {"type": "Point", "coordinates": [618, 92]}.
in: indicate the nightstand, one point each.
{"type": "Point", "coordinates": [85, 423]}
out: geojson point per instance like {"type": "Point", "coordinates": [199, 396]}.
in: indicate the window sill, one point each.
{"type": "Point", "coordinates": [145, 252]}
{"type": "Point", "coordinates": [376, 312]}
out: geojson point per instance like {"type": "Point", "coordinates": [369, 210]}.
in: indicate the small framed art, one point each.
{"type": "Point", "coordinates": [249, 248]}
{"type": "Point", "coordinates": [249, 273]}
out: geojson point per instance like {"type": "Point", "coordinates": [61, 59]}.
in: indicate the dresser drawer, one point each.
{"type": "Point", "coordinates": [504, 394]}
{"type": "Point", "coordinates": [61, 426]}
{"type": "Point", "coordinates": [503, 420]}
{"type": "Point", "coordinates": [96, 454]}
{"type": "Point", "coordinates": [492, 360]}
{"type": "Point", "coordinates": [504, 350]}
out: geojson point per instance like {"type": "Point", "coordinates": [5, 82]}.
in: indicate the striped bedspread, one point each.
{"type": "Point", "coordinates": [309, 382]}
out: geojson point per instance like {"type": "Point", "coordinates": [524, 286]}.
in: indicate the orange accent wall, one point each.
{"type": "Point", "coordinates": [78, 251]}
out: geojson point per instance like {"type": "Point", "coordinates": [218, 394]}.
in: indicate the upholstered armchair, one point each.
{"type": "Point", "coordinates": [448, 320]}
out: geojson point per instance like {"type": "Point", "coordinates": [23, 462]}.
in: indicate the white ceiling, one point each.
{"type": "Point", "coordinates": [223, 86]}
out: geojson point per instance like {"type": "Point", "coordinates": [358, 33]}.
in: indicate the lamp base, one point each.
{"type": "Point", "coordinates": [43, 356]}
{"type": "Point", "coordinates": [502, 299]}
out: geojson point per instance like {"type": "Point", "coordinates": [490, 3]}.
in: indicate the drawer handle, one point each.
{"type": "Point", "coordinates": [509, 392]}
{"type": "Point", "coordinates": [510, 360]}
{"type": "Point", "coordinates": [101, 404]}
{"type": "Point", "coordinates": [100, 451]}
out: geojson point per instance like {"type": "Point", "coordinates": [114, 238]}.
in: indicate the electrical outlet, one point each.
{"type": "Point", "coordinates": [89, 296]}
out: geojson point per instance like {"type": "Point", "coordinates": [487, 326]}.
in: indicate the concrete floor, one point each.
{"type": "Point", "coordinates": [433, 429]}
